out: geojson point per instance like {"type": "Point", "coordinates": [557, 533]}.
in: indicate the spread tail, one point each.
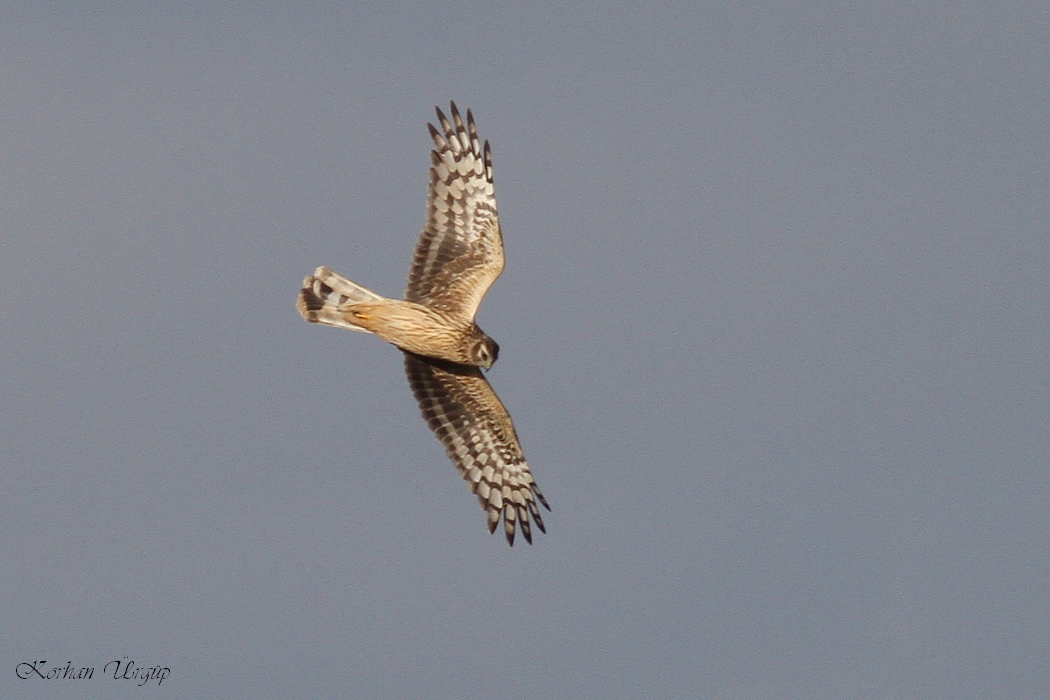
{"type": "Point", "coordinates": [325, 292]}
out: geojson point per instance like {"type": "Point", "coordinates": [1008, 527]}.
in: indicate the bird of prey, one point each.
{"type": "Point", "coordinates": [458, 257]}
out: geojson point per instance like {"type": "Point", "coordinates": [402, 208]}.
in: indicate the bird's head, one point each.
{"type": "Point", "coordinates": [485, 351]}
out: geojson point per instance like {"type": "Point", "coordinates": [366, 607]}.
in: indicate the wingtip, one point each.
{"type": "Point", "coordinates": [526, 528]}
{"type": "Point", "coordinates": [539, 496]}
{"type": "Point", "coordinates": [436, 137]}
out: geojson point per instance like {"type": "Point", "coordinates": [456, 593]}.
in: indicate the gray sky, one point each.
{"type": "Point", "coordinates": [775, 328]}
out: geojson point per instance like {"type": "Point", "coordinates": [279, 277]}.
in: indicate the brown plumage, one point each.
{"type": "Point", "coordinates": [458, 257]}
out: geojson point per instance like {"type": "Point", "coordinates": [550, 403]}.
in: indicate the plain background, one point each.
{"type": "Point", "coordinates": [775, 328]}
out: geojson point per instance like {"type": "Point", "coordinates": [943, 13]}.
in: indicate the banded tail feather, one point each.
{"type": "Point", "coordinates": [325, 292]}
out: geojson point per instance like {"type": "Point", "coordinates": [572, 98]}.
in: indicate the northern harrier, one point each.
{"type": "Point", "coordinates": [458, 257]}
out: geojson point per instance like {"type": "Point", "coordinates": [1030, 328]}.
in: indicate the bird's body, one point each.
{"type": "Point", "coordinates": [413, 327]}
{"type": "Point", "coordinates": [458, 257]}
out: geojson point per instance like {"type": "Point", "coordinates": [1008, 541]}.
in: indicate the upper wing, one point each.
{"type": "Point", "coordinates": [469, 419]}
{"type": "Point", "coordinates": [460, 252]}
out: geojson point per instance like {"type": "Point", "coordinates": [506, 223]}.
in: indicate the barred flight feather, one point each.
{"type": "Point", "coordinates": [460, 252]}
{"type": "Point", "coordinates": [465, 414]}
